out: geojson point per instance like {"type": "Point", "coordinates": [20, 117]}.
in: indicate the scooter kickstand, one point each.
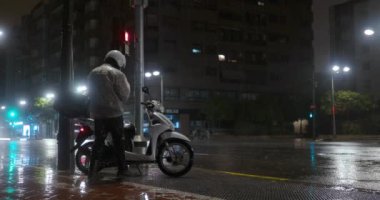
{"type": "Point", "coordinates": [138, 168]}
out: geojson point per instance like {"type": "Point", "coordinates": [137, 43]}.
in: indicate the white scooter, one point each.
{"type": "Point", "coordinates": [170, 149]}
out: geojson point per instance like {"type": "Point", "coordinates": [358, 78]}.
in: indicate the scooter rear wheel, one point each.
{"type": "Point", "coordinates": [175, 157]}
{"type": "Point", "coordinates": [83, 157]}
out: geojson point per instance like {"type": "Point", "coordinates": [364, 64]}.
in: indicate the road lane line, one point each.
{"type": "Point", "coordinates": [202, 154]}
{"type": "Point", "coordinates": [255, 176]}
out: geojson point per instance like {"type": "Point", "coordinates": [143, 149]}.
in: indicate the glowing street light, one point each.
{"type": "Point", "coordinates": [81, 89]}
{"type": "Point", "coordinates": [369, 32]}
{"type": "Point", "coordinates": [22, 102]}
{"type": "Point", "coordinates": [157, 73]}
{"type": "Point", "coordinates": [50, 95]}
{"type": "Point", "coordinates": [3, 107]}
{"type": "Point", "coordinates": [346, 69]}
{"type": "Point", "coordinates": [336, 68]}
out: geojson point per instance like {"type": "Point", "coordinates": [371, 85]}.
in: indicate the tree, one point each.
{"type": "Point", "coordinates": [43, 109]}
{"type": "Point", "coordinates": [347, 103]}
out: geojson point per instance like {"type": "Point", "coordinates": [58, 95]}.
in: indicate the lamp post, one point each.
{"type": "Point", "coordinates": [157, 73]}
{"type": "Point", "coordinates": [335, 70]}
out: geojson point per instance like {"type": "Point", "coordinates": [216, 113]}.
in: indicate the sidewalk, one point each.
{"type": "Point", "coordinates": [25, 182]}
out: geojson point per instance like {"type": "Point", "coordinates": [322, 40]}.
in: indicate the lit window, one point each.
{"type": "Point", "coordinates": [221, 57]}
{"type": "Point", "coordinates": [93, 60]}
{"type": "Point", "coordinates": [91, 6]}
{"type": "Point", "coordinates": [196, 51]}
{"type": "Point", "coordinates": [93, 42]}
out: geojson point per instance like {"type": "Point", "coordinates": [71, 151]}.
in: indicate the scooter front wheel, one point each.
{"type": "Point", "coordinates": [175, 157]}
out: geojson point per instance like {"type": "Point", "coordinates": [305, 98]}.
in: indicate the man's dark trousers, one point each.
{"type": "Point", "coordinates": [115, 126]}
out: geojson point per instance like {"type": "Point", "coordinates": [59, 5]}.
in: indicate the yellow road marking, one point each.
{"type": "Point", "coordinates": [255, 176]}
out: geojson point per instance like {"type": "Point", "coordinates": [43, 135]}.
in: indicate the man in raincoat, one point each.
{"type": "Point", "coordinates": [108, 93]}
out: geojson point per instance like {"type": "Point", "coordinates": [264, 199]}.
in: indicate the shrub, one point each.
{"type": "Point", "coordinates": [351, 127]}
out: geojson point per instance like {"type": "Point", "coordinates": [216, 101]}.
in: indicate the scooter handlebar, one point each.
{"type": "Point", "coordinates": [148, 105]}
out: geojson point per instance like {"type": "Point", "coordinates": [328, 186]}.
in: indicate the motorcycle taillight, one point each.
{"type": "Point", "coordinates": [85, 131]}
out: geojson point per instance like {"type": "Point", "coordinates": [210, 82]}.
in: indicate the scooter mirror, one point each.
{"type": "Point", "coordinates": [145, 90]}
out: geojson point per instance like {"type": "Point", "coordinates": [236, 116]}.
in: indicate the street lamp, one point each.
{"type": "Point", "coordinates": [369, 32]}
{"type": "Point", "coordinates": [50, 96]}
{"type": "Point", "coordinates": [335, 70]}
{"type": "Point", "coordinates": [22, 102]}
{"type": "Point", "coordinates": [81, 89]}
{"type": "Point", "coordinates": [346, 69]}
{"type": "Point", "coordinates": [157, 73]}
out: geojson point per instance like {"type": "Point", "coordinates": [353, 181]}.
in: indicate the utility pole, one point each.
{"type": "Point", "coordinates": [65, 137]}
{"type": "Point", "coordinates": [314, 107]}
{"type": "Point", "coordinates": [139, 6]}
{"type": "Point", "coordinates": [333, 105]}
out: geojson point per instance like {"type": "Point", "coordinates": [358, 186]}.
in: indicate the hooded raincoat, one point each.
{"type": "Point", "coordinates": [108, 91]}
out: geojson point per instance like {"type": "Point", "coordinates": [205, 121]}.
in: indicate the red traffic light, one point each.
{"type": "Point", "coordinates": [126, 36]}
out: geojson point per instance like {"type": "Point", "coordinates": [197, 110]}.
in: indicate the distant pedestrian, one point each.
{"type": "Point", "coordinates": [108, 93]}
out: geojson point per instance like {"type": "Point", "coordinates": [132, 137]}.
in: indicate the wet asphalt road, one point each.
{"type": "Point", "coordinates": [247, 168]}
{"type": "Point", "coordinates": [342, 165]}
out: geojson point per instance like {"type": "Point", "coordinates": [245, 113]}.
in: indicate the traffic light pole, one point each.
{"type": "Point", "coordinates": [65, 137]}
{"type": "Point", "coordinates": [314, 85]}
{"type": "Point", "coordinates": [139, 75]}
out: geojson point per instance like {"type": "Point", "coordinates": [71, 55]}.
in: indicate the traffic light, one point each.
{"type": "Point", "coordinates": [311, 115]}
{"type": "Point", "coordinates": [12, 114]}
{"type": "Point", "coordinates": [311, 112]}
{"type": "Point", "coordinates": [126, 42]}
{"type": "Point", "coordinates": [126, 37]}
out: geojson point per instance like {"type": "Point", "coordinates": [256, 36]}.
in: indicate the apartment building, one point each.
{"type": "Point", "coordinates": [203, 48]}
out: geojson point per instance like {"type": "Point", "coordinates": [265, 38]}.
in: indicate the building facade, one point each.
{"type": "Point", "coordinates": [352, 47]}
{"type": "Point", "coordinates": [203, 48]}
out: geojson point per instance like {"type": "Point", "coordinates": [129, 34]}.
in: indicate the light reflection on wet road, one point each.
{"type": "Point", "coordinates": [29, 166]}
{"type": "Point", "coordinates": [348, 164]}
{"type": "Point", "coordinates": [343, 164]}
{"type": "Point", "coordinates": [28, 171]}
{"type": "Point", "coordinates": [16, 155]}
{"type": "Point", "coordinates": [28, 153]}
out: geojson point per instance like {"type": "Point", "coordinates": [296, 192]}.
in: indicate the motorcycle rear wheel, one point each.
{"type": "Point", "coordinates": [175, 157]}
{"type": "Point", "coordinates": [83, 157]}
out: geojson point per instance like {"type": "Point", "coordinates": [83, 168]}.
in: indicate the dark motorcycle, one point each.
{"type": "Point", "coordinates": [84, 142]}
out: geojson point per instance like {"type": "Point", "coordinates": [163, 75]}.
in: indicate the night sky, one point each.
{"type": "Point", "coordinates": [321, 41]}
{"type": "Point", "coordinates": [12, 10]}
